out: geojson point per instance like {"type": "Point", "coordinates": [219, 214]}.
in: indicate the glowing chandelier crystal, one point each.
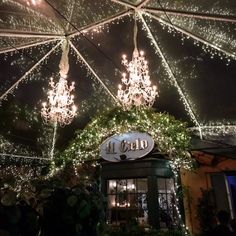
{"type": "Point", "coordinates": [60, 108]}
{"type": "Point", "coordinates": [136, 89]}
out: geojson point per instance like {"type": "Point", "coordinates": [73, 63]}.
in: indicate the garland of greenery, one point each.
{"type": "Point", "coordinates": [9, 147]}
{"type": "Point", "coordinates": [170, 135]}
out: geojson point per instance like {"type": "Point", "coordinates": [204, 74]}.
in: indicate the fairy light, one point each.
{"type": "Point", "coordinates": [12, 150]}
{"type": "Point", "coordinates": [28, 72]}
{"type": "Point", "coordinates": [176, 172]}
{"type": "Point", "coordinates": [167, 133]}
{"type": "Point", "coordinates": [60, 108]}
{"type": "Point", "coordinates": [216, 129]}
{"type": "Point", "coordinates": [75, 168]}
{"type": "Point", "coordinates": [164, 130]}
{"type": "Point", "coordinates": [90, 69]}
{"type": "Point", "coordinates": [208, 32]}
{"type": "Point", "coordinates": [22, 173]}
{"type": "Point", "coordinates": [172, 77]}
{"type": "Point", "coordinates": [136, 90]}
{"type": "Point", "coordinates": [210, 44]}
{"type": "Point", "coordinates": [22, 168]}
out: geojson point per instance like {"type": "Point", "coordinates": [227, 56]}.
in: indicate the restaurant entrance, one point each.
{"type": "Point", "coordinates": [140, 189]}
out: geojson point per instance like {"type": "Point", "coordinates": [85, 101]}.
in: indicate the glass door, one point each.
{"type": "Point", "coordinates": [166, 200]}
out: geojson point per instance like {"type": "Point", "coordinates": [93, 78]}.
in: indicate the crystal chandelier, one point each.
{"type": "Point", "coordinates": [136, 89]}
{"type": "Point", "coordinates": [60, 108]}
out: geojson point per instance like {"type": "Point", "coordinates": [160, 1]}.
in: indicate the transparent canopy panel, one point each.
{"type": "Point", "coordinates": [134, 2]}
{"type": "Point", "coordinates": [190, 47]}
{"type": "Point", "coordinates": [220, 7]}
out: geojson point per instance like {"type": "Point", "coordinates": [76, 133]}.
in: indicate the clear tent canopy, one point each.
{"type": "Point", "coordinates": [190, 47]}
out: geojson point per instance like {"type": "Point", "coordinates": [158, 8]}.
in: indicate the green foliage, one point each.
{"type": "Point", "coordinates": [8, 146]}
{"type": "Point", "coordinates": [52, 208]}
{"type": "Point", "coordinates": [81, 208]}
{"type": "Point", "coordinates": [133, 229]}
{"type": "Point", "coordinates": [17, 217]}
{"type": "Point", "coordinates": [170, 135]}
{"type": "Point", "coordinates": [23, 132]}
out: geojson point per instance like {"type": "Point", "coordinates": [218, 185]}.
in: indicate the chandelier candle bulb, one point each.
{"type": "Point", "coordinates": [137, 86]}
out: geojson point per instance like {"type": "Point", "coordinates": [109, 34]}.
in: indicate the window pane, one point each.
{"type": "Point", "coordinates": [166, 200]}
{"type": "Point", "coordinates": [121, 185]}
{"type": "Point", "coordinates": [111, 201]}
{"type": "Point", "coordinates": [112, 186]}
{"type": "Point", "coordinates": [142, 185]}
{"type": "Point", "coordinates": [170, 185]}
{"type": "Point", "coordinates": [161, 184]}
{"type": "Point", "coordinates": [131, 185]}
{"type": "Point", "coordinates": [127, 199]}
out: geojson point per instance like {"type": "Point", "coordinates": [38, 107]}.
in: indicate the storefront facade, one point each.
{"type": "Point", "coordinates": [212, 187]}
{"type": "Point", "coordinates": [140, 189]}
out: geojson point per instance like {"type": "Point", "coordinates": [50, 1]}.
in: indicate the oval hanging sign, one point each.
{"type": "Point", "coordinates": [127, 146]}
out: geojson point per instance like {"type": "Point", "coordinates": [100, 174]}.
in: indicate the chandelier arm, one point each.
{"type": "Point", "coordinates": [204, 16]}
{"type": "Point", "coordinates": [11, 89]}
{"type": "Point", "coordinates": [100, 23]}
{"type": "Point", "coordinates": [171, 74]}
{"type": "Point", "coordinates": [37, 13]}
{"type": "Point", "coordinates": [93, 72]}
{"type": "Point", "coordinates": [186, 32]}
{"type": "Point", "coordinates": [27, 46]}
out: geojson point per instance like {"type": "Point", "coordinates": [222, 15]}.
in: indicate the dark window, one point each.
{"type": "Point", "coordinates": [166, 200]}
